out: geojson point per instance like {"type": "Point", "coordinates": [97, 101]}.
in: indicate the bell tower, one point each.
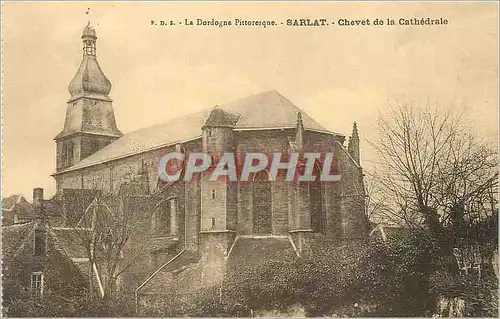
{"type": "Point", "coordinates": [90, 121]}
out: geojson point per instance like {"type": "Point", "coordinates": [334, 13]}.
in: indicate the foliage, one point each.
{"type": "Point", "coordinates": [64, 293]}
{"type": "Point", "coordinates": [346, 279]}
{"type": "Point", "coordinates": [479, 294]}
{"type": "Point", "coordinates": [55, 305]}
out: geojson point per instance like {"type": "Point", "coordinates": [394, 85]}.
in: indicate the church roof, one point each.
{"type": "Point", "coordinates": [266, 110]}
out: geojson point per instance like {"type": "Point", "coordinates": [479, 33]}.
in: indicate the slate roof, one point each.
{"type": "Point", "coordinates": [67, 240]}
{"type": "Point", "coordinates": [13, 237]}
{"type": "Point", "coordinates": [265, 110]}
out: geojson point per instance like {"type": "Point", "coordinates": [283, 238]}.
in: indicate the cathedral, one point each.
{"type": "Point", "coordinates": [199, 228]}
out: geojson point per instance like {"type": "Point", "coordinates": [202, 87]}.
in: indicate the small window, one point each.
{"type": "Point", "coordinates": [213, 193]}
{"type": "Point", "coordinates": [37, 284]}
{"type": "Point", "coordinates": [213, 222]}
{"type": "Point", "coordinates": [40, 245]}
{"type": "Point", "coordinates": [95, 102]}
{"type": "Point", "coordinates": [209, 132]}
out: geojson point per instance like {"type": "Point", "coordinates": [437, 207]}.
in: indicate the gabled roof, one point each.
{"type": "Point", "coordinates": [13, 201]}
{"type": "Point", "coordinates": [68, 241]}
{"type": "Point", "coordinates": [8, 203]}
{"type": "Point", "coordinates": [266, 110]}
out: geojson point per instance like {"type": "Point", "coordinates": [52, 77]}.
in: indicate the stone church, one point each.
{"type": "Point", "coordinates": [204, 225]}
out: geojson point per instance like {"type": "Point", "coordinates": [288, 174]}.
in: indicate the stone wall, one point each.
{"type": "Point", "coordinates": [111, 175]}
{"type": "Point", "coordinates": [352, 210]}
{"type": "Point", "coordinates": [193, 213]}
{"type": "Point", "coordinates": [213, 203]}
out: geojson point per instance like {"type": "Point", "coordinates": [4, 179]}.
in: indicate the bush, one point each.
{"type": "Point", "coordinates": [394, 278]}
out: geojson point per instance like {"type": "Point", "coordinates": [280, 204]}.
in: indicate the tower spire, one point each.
{"type": "Point", "coordinates": [90, 121]}
{"type": "Point", "coordinates": [353, 146]}
{"type": "Point", "coordinates": [89, 80]}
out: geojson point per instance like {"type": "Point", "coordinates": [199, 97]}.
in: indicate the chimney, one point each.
{"type": "Point", "coordinates": [37, 197]}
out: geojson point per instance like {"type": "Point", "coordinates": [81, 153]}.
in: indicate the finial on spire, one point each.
{"type": "Point", "coordinates": [299, 134]}
{"type": "Point", "coordinates": [88, 31]}
{"type": "Point", "coordinates": [354, 129]}
{"type": "Point", "coordinates": [353, 146]}
{"type": "Point", "coordinates": [89, 40]}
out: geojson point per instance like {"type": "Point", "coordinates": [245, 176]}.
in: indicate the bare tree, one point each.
{"type": "Point", "coordinates": [430, 166]}
{"type": "Point", "coordinates": [115, 233]}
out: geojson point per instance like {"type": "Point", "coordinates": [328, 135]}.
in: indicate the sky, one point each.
{"type": "Point", "coordinates": [335, 74]}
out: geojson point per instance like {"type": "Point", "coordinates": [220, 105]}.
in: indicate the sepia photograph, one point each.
{"type": "Point", "coordinates": [249, 159]}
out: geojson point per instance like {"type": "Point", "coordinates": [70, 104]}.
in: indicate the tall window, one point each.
{"type": "Point", "coordinates": [318, 217]}
{"type": "Point", "coordinates": [262, 203]}
{"type": "Point", "coordinates": [40, 243]}
{"type": "Point", "coordinates": [37, 284]}
{"type": "Point", "coordinates": [316, 201]}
